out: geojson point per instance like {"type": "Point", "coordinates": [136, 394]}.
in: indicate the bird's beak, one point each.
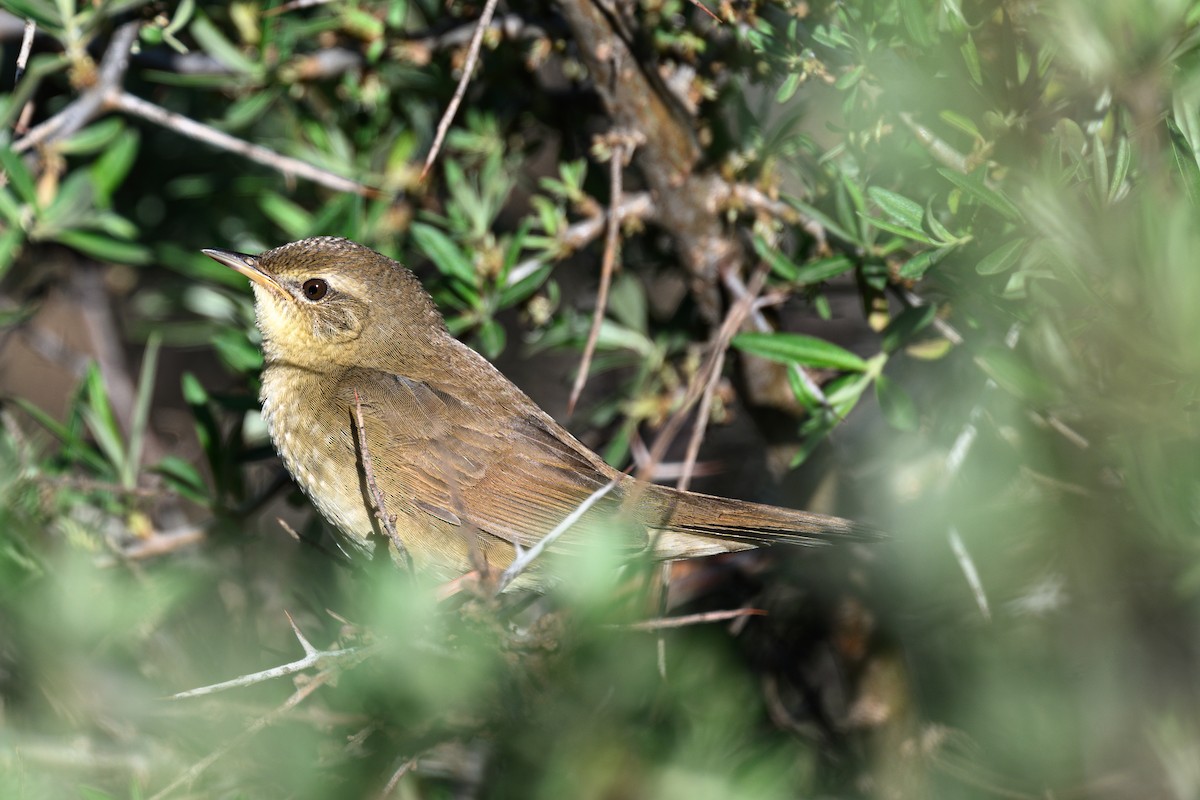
{"type": "Point", "coordinates": [248, 266]}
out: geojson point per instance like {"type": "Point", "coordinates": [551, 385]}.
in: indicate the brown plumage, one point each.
{"type": "Point", "coordinates": [458, 450]}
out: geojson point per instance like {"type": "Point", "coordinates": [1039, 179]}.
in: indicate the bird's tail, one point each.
{"type": "Point", "coordinates": [692, 524]}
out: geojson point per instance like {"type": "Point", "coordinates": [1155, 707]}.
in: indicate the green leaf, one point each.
{"type": "Point", "coordinates": [916, 16]}
{"type": "Point", "coordinates": [790, 84]}
{"type": "Point", "coordinates": [141, 411]}
{"type": "Point", "coordinates": [92, 138]}
{"type": "Point", "coordinates": [825, 220]}
{"type": "Point", "coordinates": [614, 336]}
{"type": "Point", "coordinates": [823, 269]}
{"type": "Point", "coordinates": [100, 420]}
{"type": "Point", "coordinates": [18, 175]}
{"type": "Point", "coordinates": [975, 188]}
{"type": "Point", "coordinates": [184, 479]}
{"type": "Point", "coordinates": [844, 392]}
{"type": "Point", "coordinates": [113, 165]}
{"type": "Point", "coordinates": [213, 42]}
{"type": "Point", "coordinates": [798, 348]}
{"type": "Point", "coordinates": [964, 124]}
{"type": "Point", "coordinates": [919, 264]}
{"type": "Point", "coordinates": [65, 435]}
{"type": "Point", "coordinates": [443, 252]}
{"type": "Point", "coordinates": [780, 264]}
{"type": "Point", "coordinates": [901, 230]}
{"type": "Point", "coordinates": [295, 221]}
{"type": "Point", "coordinates": [43, 12]}
{"type": "Point", "coordinates": [491, 339]}
{"type": "Point", "coordinates": [208, 431]}
{"type": "Point", "coordinates": [104, 248]}
{"type": "Point", "coordinates": [1012, 373]}
{"type": "Point", "coordinates": [1120, 169]}
{"type": "Point", "coordinates": [1002, 258]}
{"type": "Point", "coordinates": [1185, 162]}
{"type": "Point", "coordinates": [10, 242]}
{"type": "Point", "coordinates": [522, 289]}
{"type": "Point", "coordinates": [970, 54]}
{"type": "Point", "coordinates": [902, 210]}
{"type": "Point", "coordinates": [10, 209]}
{"type": "Point", "coordinates": [896, 404]}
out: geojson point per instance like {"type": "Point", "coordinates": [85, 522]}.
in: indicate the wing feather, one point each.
{"type": "Point", "coordinates": [515, 483]}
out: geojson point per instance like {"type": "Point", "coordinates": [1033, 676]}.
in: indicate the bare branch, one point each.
{"type": "Point", "coordinates": [485, 19]}
{"type": "Point", "coordinates": [288, 166]}
{"type": "Point", "coordinates": [665, 623]}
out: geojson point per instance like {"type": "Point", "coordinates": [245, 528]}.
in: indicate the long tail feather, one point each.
{"type": "Point", "coordinates": [740, 525]}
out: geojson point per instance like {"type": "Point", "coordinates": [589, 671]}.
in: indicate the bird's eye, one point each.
{"type": "Point", "coordinates": [315, 288]}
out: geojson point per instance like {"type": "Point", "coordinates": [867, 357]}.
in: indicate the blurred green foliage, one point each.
{"type": "Point", "coordinates": [980, 224]}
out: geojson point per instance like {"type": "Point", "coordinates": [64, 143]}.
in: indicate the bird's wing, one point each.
{"type": "Point", "coordinates": [511, 471]}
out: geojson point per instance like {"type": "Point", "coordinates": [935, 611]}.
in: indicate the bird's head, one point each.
{"type": "Point", "coordinates": [328, 302]}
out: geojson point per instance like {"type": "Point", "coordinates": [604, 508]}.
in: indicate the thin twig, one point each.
{"type": "Point", "coordinates": [733, 321]}
{"type": "Point", "coordinates": [259, 724]}
{"type": "Point", "coordinates": [288, 166]}
{"type": "Point", "coordinates": [161, 543]}
{"type": "Point", "coordinates": [527, 557]}
{"type": "Point", "coordinates": [737, 313]}
{"type": "Point", "coordinates": [967, 565]}
{"type": "Point", "coordinates": [607, 266]}
{"type": "Point", "coordinates": [386, 520]}
{"type": "Point", "coordinates": [22, 123]}
{"type": "Point", "coordinates": [704, 8]}
{"type": "Point", "coordinates": [668, 470]}
{"type": "Point", "coordinates": [313, 658]}
{"type": "Point", "coordinates": [666, 623]}
{"type": "Point", "coordinates": [485, 20]}
{"type": "Point", "coordinates": [292, 6]}
{"type": "Point", "coordinates": [393, 781]}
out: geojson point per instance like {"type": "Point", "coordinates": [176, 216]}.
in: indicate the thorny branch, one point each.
{"type": "Point", "coordinates": [313, 658]}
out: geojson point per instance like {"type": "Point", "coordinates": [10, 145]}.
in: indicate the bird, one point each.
{"type": "Point", "coordinates": [359, 366]}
